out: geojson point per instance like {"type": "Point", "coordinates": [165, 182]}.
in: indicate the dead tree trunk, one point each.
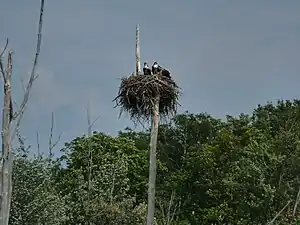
{"type": "Point", "coordinates": [152, 166]}
{"type": "Point", "coordinates": [6, 163]}
{"type": "Point", "coordinates": [6, 160]}
{"type": "Point", "coordinates": [137, 51]}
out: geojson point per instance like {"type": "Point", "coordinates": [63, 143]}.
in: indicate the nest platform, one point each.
{"type": "Point", "coordinates": [137, 93]}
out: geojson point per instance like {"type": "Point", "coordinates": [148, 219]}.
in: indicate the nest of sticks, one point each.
{"type": "Point", "coordinates": [137, 93]}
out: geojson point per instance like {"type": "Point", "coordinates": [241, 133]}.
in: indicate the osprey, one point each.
{"type": "Point", "coordinates": [156, 68]}
{"type": "Point", "coordinates": [166, 73]}
{"type": "Point", "coordinates": [146, 69]}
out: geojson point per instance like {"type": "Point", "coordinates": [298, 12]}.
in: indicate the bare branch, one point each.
{"type": "Point", "coordinates": [21, 141]}
{"type": "Point", "coordinates": [38, 143]}
{"type": "Point", "coordinates": [51, 134]}
{"type": "Point", "coordinates": [51, 144]}
{"type": "Point", "coordinates": [33, 75]}
{"type": "Point", "coordinates": [278, 214]}
{"type": "Point", "coordinates": [8, 116]}
{"type": "Point", "coordinates": [170, 207]}
{"type": "Point", "coordinates": [296, 203]}
{"type": "Point", "coordinates": [90, 164]}
{"type": "Point", "coordinates": [162, 210]}
{"type": "Point", "coordinates": [19, 114]}
{"type": "Point", "coordinates": [88, 114]}
{"type": "Point", "coordinates": [169, 214]}
{"type": "Point", "coordinates": [92, 124]}
{"type": "Point", "coordinates": [4, 49]}
{"type": "Point", "coordinates": [1, 63]}
{"type": "Point", "coordinates": [176, 208]}
{"type": "Point", "coordinates": [2, 71]}
{"type": "Point", "coordinates": [57, 140]}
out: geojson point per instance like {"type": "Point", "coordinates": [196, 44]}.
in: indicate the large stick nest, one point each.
{"type": "Point", "coordinates": [138, 92]}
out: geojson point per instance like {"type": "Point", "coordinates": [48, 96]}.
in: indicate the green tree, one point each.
{"type": "Point", "coordinates": [35, 199]}
{"type": "Point", "coordinates": [241, 170]}
{"type": "Point", "coordinates": [105, 198]}
{"type": "Point", "coordinates": [229, 172]}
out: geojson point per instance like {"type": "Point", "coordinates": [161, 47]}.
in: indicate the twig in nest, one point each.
{"type": "Point", "coordinates": [136, 95]}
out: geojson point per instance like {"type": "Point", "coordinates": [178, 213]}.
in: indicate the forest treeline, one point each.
{"type": "Point", "coordinates": [242, 170]}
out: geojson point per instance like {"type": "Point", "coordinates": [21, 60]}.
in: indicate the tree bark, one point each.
{"type": "Point", "coordinates": [6, 163]}
{"type": "Point", "coordinates": [6, 159]}
{"type": "Point", "coordinates": [152, 166]}
{"type": "Point", "coordinates": [138, 69]}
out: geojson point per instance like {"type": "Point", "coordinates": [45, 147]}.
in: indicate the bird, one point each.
{"type": "Point", "coordinates": [146, 69]}
{"type": "Point", "coordinates": [166, 73]}
{"type": "Point", "coordinates": [156, 68]}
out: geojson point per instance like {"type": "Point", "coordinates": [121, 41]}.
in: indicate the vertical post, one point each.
{"type": "Point", "coordinates": [152, 166]}
{"type": "Point", "coordinates": [137, 51]}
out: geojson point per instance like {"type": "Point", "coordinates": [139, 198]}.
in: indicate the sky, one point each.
{"type": "Point", "coordinates": [227, 56]}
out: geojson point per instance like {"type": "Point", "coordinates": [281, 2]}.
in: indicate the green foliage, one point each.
{"type": "Point", "coordinates": [35, 199]}
{"type": "Point", "coordinates": [102, 193]}
{"type": "Point", "coordinates": [237, 171]}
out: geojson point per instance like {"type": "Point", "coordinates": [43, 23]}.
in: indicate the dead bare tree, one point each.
{"type": "Point", "coordinates": [52, 144]}
{"type": "Point", "coordinates": [6, 160]}
{"type": "Point", "coordinates": [8, 117]}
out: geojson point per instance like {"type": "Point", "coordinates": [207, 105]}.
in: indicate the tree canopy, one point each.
{"type": "Point", "coordinates": [240, 170]}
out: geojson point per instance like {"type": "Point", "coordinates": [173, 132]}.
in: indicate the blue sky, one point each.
{"type": "Point", "coordinates": [227, 56]}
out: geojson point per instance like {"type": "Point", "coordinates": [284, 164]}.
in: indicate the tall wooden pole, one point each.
{"type": "Point", "coordinates": [137, 51]}
{"type": "Point", "coordinates": [152, 166]}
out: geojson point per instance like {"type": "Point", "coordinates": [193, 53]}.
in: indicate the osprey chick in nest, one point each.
{"type": "Point", "coordinates": [157, 69]}
{"type": "Point", "coordinates": [146, 69]}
